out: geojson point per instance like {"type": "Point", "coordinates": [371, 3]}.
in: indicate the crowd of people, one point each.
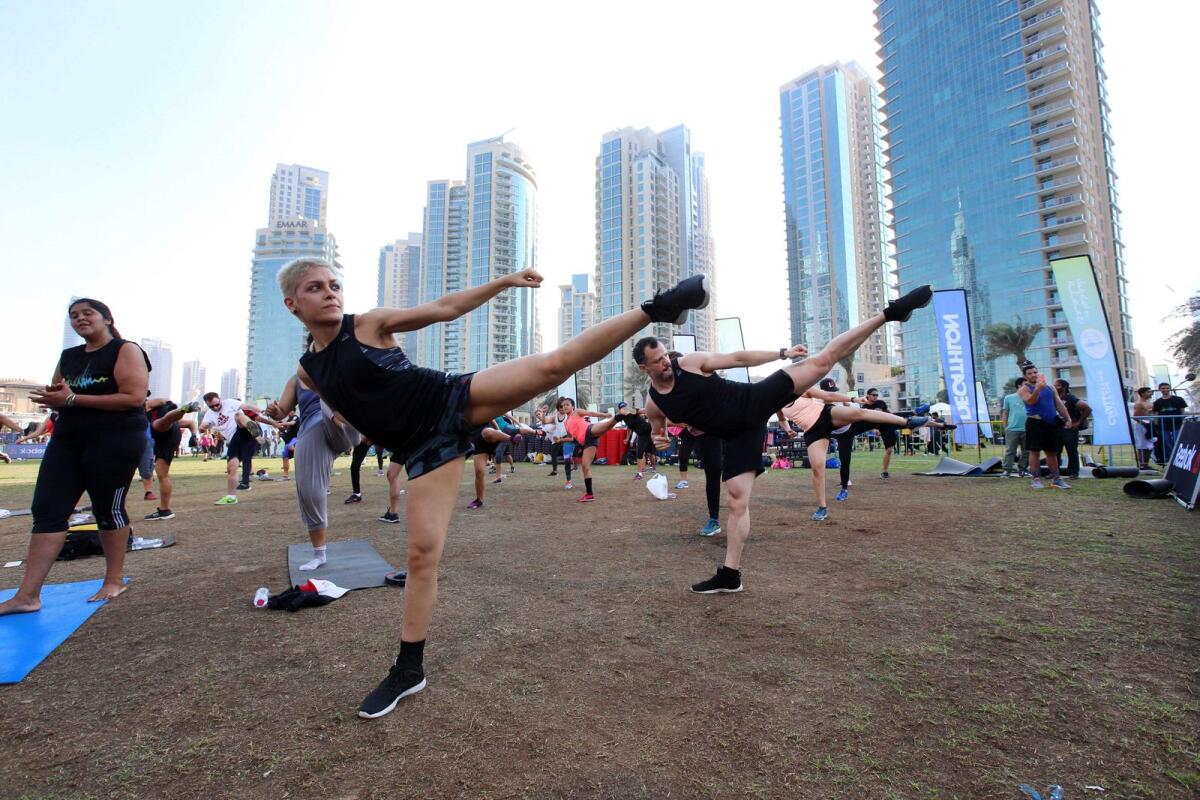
{"type": "Point", "coordinates": [354, 390]}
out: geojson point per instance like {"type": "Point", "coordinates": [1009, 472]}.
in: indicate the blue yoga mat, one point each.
{"type": "Point", "coordinates": [26, 639]}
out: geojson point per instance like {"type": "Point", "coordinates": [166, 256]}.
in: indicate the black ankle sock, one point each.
{"type": "Point", "coordinates": [729, 570]}
{"type": "Point", "coordinates": [412, 652]}
{"type": "Point", "coordinates": [588, 483]}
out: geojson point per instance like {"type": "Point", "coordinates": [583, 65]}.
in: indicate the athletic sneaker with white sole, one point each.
{"type": "Point", "coordinates": [725, 581]}
{"type": "Point", "coordinates": [227, 500]}
{"type": "Point", "coordinates": [162, 513]}
{"type": "Point", "coordinates": [681, 485]}
{"type": "Point", "coordinates": [672, 305]}
{"type": "Point", "coordinates": [401, 681]}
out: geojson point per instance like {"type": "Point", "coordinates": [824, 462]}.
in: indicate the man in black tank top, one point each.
{"type": "Point", "coordinates": [425, 416]}
{"type": "Point", "coordinates": [688, 391]}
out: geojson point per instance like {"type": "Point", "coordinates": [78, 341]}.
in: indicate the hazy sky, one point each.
{"type": "Point", "coordinates": [139, 140]}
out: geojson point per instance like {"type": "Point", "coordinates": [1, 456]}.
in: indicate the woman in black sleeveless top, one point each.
{"type": "Point", "coordinates": [98, 391]}
{"type": "Point", "coordinates": [425, 416]}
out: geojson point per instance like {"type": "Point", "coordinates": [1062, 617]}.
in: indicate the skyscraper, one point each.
{"type": "Point", "coordinates": [70, 338]}
{"type": "Point", "coordinates": [834, 208]}
{"type": "Point", "coordinates": [400, 281]}
{"type": "Point", "coordinates": [1001, 160]}
{"type": "Point", "coordinates": [652, 230]}
{"type": "Point", "coordinates": [159, 353]}
{"type": "Point", "coordinates": [195, 381]}
{"type": "Point", "coordinates": [231, 383]}
{"type": "Point", "coordinates": [577, 313]}
{"type": "Point", "coordinates": [474, 232]}
{"type": "Point", "coordinates": [296, 228]}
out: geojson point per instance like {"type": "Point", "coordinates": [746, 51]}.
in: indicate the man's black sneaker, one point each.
{"type": "Point", "coordinates": [390, 516]}
{"type": "Point", "coordinates": [726, 580]}
{"type": "Point", "coordinates": [672, 305]}
{"type": "Point", "coordinates": [883, 475]}
{"type": "Point", "coordinates": [900, 310]}
{"type": "Point", "coordinates": [243, 487]}
{"type": "Point", "coordinates": [356, 497]}
{"type": "Point", "coordinates": [401, 681]}
{"type": "Point", "coordinates": [162, 513]}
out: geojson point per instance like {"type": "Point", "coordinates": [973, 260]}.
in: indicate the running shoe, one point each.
{"type": "Point", "coordinates": [922, 409]}
{"type": "Point", "coordinates": [1059, 483]}
{"type": "Point", "coordinates": [681, 485]}
{"type": "Point", "coordinates": [253, 428]}
{"type": "Point", "coordinates": [355, 497]}
{"type": "Point", "coordinates": [638, 477]}
{"type": "Point", "coordinates": [498, 480]}
{"type": "Point", "coordinates": [243, 487]}
{"type": "Point", "coordinates": [673, 304]}
{"type": "Point", "coordinates": [390, 516]}
{"type": "Point", "coordinates": [725, 581]}
{"type": "Point", "coordinates": [227, 500]}
{"type": "Point", "coordinates": [161, 513]}
{"type": "Point", "coordinates": [569, 485]}
{"type": "Point", "coordinates": [476, 503]}
{"type": "Point", "coordinates": [900, 310]}
{"type": "Point", "coordinates": [401, 681]}
{"type": "Point", "coordinates": [918, 422]}
{"type": "Point", "coordinates": [1036, 483]}
{"type": "Point", "coordinates": [820, 514]}
{"type": "Point", "coordinates": [587, 498]}
{"type": "Point", "coordinates": [711, 528]}
{"type": "Point", "coordinates": [150, 496]}
{"type": "Point", "coordinates": [842, 495]}
{"type": "Point", "coordinates": [884, 475]}
{"type": "Point", "coordinates": [552, 474]}
{"type": "Point", "coordinates": [190, 408]}
{"type": "Point", "coordinates": [378, 473]}
{"type": "Point", "coordinates": [284, 478]}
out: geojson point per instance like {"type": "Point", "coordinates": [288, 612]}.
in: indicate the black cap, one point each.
{"type": "Point", "coordinates": [828, 384]}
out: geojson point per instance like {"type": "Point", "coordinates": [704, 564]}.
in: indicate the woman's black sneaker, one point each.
{"type": "Point", "coordinates": [390, 516]}
{"type": "Point", "coordinates": [356, 497]}
{"type": "Point", "coordinates": [162, 513]}
{"type": "Point", "coordinates": [900, 310]}
{"type": "Point", "coordinates": [672, 305]}
{"type": "Point", "coordinates": [726, 580]}
{"type": "Point", "coordinates": [401, 681]}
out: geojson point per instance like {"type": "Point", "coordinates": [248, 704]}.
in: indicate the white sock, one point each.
{"type": "Point", "coordinates": [317, 560]}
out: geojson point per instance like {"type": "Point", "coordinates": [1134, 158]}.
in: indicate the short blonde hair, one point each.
{"type": "Point", "coordinates": [292, 273]}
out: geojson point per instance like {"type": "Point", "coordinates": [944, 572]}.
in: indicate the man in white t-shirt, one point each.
{"type": "Point", "coordinates": [238, 423]}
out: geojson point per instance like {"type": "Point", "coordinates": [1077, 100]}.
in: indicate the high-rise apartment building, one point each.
{"type": "Point", "coordinates": [474, 232]}
{"type": "Point", "coordinates": [1000, 160]}
{"type": "Point", "coordinates": [298, 191]}
{"type": "Point", "coordinates": [652, 230]}
{"type": "Point", "coordinates": [296, 228]}
{"type": "Point", "coordinates": [577, 313]}
{"type": "Point", "coordinates": [835, 207]}
{"type": "Point", "coordinates": [231, 383]}
{"type": "Point", "coordinates": [400, 282]}
{"type": "Point", "coordinates": [195, 380]}
{"type": "Point", "coordinates": [161, 372]}
{"type": "Point", "coordinates": [69, 337]}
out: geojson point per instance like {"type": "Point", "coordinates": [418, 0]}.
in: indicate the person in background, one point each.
{"type": "Point", "coordinates": [1012, 420]}
{"type": "Point", "coordinates": [1078, 412]}
{"type": "Point", "coordinates": [1043, 407]}
{"type": "Point", "coordinates": [1167, 405]}
{"type": "Point", "coordinates": [1143, 431]}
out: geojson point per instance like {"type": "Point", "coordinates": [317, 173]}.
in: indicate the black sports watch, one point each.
{"type": "Point", "coordinates": [782, 353]}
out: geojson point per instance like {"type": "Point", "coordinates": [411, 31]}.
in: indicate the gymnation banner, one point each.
{"type": "Point", "coordinates": [958, 361]}
{"type": "Point", "coordinates": [1084, 309]}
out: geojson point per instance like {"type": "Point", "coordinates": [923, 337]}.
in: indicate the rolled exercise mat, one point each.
{"type": "Point", "coordinates": [1115, 472]}
{"type": "Point", "coordinates": [1155, 487]}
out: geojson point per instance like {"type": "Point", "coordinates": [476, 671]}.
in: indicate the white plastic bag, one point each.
{"type": "Point", "coordinates": [658, 486]}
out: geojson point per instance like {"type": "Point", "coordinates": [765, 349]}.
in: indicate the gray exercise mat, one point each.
{"type": "Point", "coordinates": [351, 565]}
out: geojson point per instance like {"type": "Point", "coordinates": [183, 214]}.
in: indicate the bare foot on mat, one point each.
{"type": "Point", "coordinates": [107, 592]}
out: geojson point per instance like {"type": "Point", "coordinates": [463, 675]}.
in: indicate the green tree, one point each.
{"type": "Point", "coordinates": [1185, 344]}
{"type": "Point", "coordinates": [1004, 339]}
{"type": "Point", "coordinates": [635, 384]}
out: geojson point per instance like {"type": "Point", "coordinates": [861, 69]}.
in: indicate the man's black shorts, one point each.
{"type": "Point", "coordinates": [744, 453]}
{"type": "Point", "coordinates": [1041, 435]}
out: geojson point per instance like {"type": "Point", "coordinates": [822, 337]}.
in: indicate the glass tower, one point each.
{"type": "Point", "coordinates": [1000, 158]}
{"type": "Point", "coordinates": [400, 282]}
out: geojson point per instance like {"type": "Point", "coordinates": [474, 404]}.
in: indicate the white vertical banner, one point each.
{"type": "Point", "coordinates": [568, 389]}
{"type": "Point", "coordinates": [729, 339]}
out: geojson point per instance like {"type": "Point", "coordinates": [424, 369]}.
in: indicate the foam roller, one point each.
{"type": "Point", "coordinates": [1155, 487]}
{"type": "Point", "coordinates": [1115, 472]}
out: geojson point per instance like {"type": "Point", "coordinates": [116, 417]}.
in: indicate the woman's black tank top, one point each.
{"type": "Point", "coordinates": [378, 390]}
{"type": "Point", "coordinates": [93, 374]}
{"type": "Point", "coordinates": [709, 404]}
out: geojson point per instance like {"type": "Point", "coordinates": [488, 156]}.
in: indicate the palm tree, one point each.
{"type": "Point", "coordinates": [1003, 339]}
{"type": "Point", "coordinates": [1185, 345]}
{"type": "Point", "coordinates": [635, 384]}
{"type": "Point", "coordinates": [847, 364]}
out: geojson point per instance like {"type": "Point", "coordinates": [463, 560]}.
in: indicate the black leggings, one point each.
{"type": "Point", "coordinates": [845, 441]}
{"type": "Point", "coordinates": [711, 451]}
{"type": "Point", "coordinates": [99, 462]}
{"type": "Point", "coordinates": [556, 452]}
{"type": "Point", "coordinates": [357, 457]}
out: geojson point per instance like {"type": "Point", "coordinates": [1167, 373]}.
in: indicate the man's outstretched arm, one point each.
{"type": "Point", "coordinates": [709, 363]}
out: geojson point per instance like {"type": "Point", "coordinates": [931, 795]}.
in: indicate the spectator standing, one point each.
{"type": "Point", "coordinates": [1167, 405]}
{"type": "Point", "coordinates": [1078, 413]}
{"type": "Point", "coordinates": [1143, 432]}
{"type": "Point", "coordinates": [1012, 419]}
